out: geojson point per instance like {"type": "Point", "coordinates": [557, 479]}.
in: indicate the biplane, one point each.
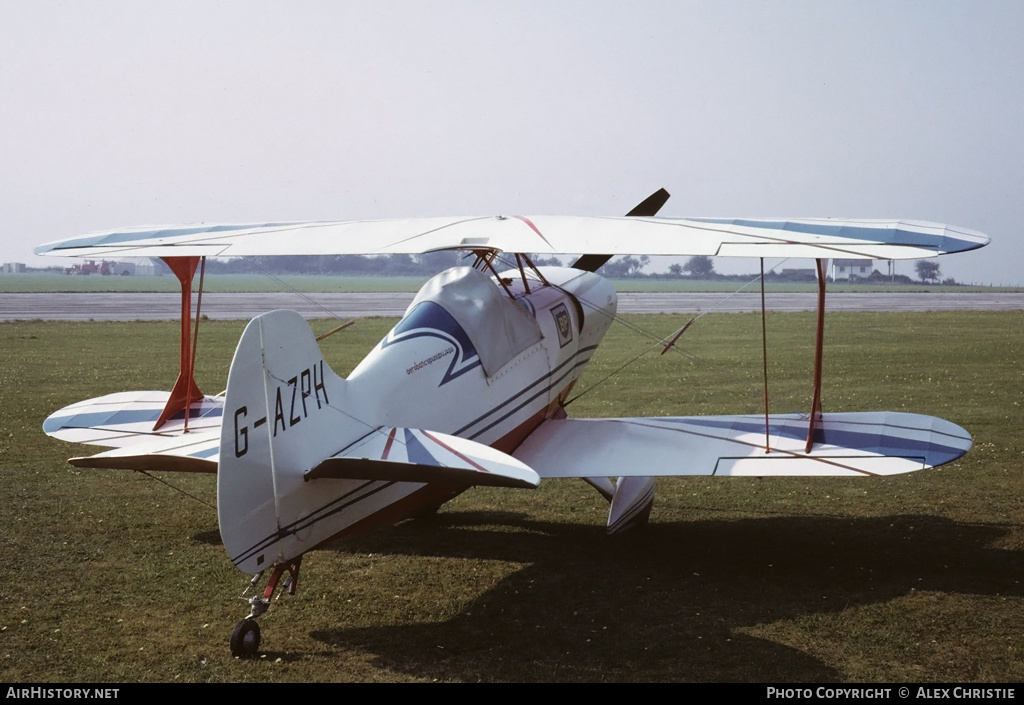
{"type": "Point", "coordinates": [470, 387]}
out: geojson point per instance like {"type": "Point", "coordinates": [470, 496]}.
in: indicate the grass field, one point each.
{"type": "Point", "coordinates": [113, 576]}
{"type": "Point", "coordinates": [46, 282]}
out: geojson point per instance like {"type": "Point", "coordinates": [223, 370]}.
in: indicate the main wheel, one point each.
{"type": "Point", "coordinates": [245, 639]}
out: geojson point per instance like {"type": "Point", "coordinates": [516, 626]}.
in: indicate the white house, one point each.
{"type": "Point", "coordinates": [847, 269]}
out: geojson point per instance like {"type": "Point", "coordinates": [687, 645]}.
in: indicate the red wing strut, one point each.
{"type": "Point", "coordinates": [185, 388]}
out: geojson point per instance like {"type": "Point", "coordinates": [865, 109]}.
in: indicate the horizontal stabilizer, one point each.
{"type": "Point", "coordinates": [845, 444]}
{"type": "Point", "coordinates": [404, 455]}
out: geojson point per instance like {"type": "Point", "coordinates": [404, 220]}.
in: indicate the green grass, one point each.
{"type": "Point", "coordinates": [112, 576]}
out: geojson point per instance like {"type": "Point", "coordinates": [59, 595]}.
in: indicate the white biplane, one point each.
{"type": "Point", "coordinates": [469, 388]}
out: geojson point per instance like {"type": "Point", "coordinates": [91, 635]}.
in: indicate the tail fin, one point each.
{"type": "Point", "coordinates": [282, 416]}
{"type": "Point", "coordinates": [298, 465]}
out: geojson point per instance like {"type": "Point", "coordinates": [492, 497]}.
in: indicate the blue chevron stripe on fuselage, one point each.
{"type": "Point", "coordinates": [429, 319]}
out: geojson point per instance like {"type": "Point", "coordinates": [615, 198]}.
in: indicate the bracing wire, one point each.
{"type": "Point", "coordinates": [669, 344]}
{"type": "Point", "coordinates": [176, 489]}
{"type": "Point", "coordinates": [291, 289]}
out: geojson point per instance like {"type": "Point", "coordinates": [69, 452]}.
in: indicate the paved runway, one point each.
{"type": "Point", "coordinates": [126, 307]}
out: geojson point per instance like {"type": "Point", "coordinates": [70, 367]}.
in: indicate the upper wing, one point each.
{"type": "Point", "coordinates": [765, 237]}
{"type": "Point", "coordinates": [851, 444]}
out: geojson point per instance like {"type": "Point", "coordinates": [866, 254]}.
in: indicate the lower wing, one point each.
{"type": "Point", "coordinates": [126, 418]}
{"type": "Point", "coordinates": [845, 444]}
{"type": "Point", "coordinates": [124, 422]}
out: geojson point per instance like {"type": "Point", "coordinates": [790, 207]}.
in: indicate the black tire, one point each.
{"type": "Point", "coordinates": [245, 639]}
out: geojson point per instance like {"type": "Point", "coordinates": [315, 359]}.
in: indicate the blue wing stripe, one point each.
{"type": "Point", "coordinates": [132, 236]}
{"type": "Point", "coordinates": [882, 444]}
{"type": "Point", "coordinates": [96, 419]}
{"type": "Point", "coordinates": [891, 236]}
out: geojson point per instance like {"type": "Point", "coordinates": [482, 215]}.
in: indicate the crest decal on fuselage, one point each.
{"type": "Point", "coordinates": [563, 324]}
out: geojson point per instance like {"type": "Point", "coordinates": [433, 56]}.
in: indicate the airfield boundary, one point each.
{"type": "Point", "coordinates": [234, 306]}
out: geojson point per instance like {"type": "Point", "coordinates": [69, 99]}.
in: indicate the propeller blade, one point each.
{"type": "Point", "coordinates": [647, 208]}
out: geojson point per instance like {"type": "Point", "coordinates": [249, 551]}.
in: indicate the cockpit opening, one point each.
{"type": "Point", "coordinates": [497, 326]}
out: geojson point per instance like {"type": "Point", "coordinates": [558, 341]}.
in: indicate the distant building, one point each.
{"type": "Point", "coordinates": [798, 274]}
{"type": "Point", "coordinates": [138, 267]}
{"type": "Point", "coordinates": [847, 269]}
{"type": "Point", "coordinates": [14, 268]}
{"type": "Point", "coordinates": [146, 268]}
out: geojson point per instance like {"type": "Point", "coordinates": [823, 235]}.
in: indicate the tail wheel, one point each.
{"type": "Point", "coordinates": [245, 639]}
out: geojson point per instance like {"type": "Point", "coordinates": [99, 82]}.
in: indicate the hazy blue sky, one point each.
{"type": "Point", "coordinates": [131, 113]}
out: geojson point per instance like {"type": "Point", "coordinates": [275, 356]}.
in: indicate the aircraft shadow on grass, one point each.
{"type": "Point", "coordinates": [668, 602]}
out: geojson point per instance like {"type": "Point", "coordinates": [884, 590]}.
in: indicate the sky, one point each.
{"type": "Point", "coordinates": [137, 113]}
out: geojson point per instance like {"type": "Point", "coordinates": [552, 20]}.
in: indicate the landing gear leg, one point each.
{"type": "Point", "coordinates": [245, 637]}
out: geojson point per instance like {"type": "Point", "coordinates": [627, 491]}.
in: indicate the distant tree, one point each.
{"type": "Point", "coordinates": [700, 267]}
{"type": "Point", "coordinates": [676, 270]}
{"type": "Point", "coordinates": [927, 270]}
{"type": "Point", "coordinates": [628, 266]}
{"type": "Point", "coordinates": [434, 262]}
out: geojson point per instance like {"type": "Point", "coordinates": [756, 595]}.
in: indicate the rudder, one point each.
{"type": "Point", "coordinates": [282, 416]}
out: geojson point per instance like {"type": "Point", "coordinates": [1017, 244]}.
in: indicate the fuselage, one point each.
{"type": "Point", "coordinates": [472, 358]}
{"type": "Point", "coordinates": [492, 372]}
